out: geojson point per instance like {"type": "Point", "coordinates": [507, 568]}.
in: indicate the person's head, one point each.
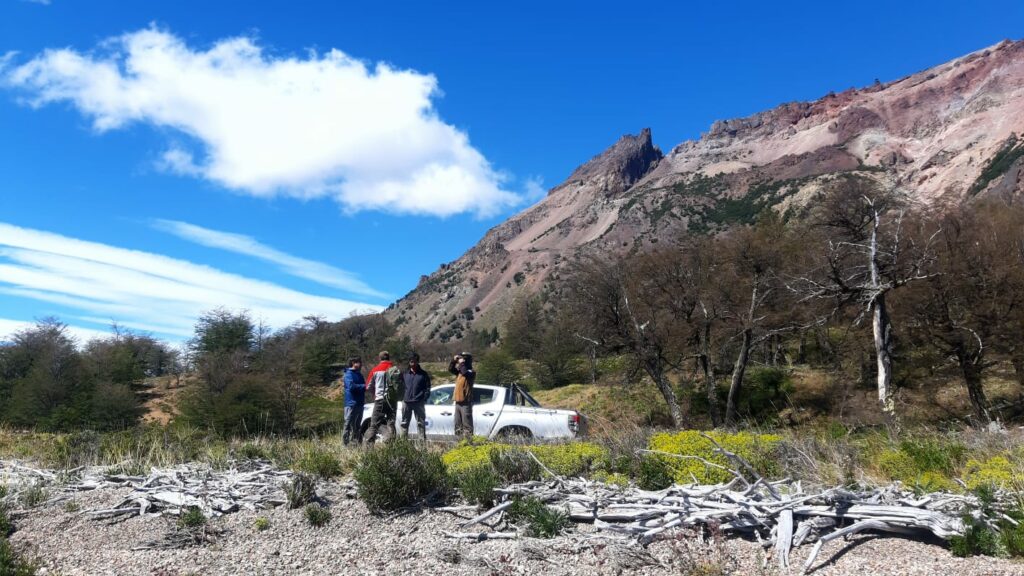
{"type": "Point", "coordinates": [355, 362]}
{"type": "Point", "coordinates": [414, 360]}
{"type": "Point", "coordinates": [384, 356]}
{"type": "Point", "coordinates": [467, 359]}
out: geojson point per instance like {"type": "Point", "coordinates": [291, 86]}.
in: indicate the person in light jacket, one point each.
{"type": "Point", "coordinates": [382, 383]}
{"type": "Point", "coordinates": [417, 390]}
{"type": "Point", "coordinates": [355, 400]}
{"type": "Point", "coordinates": [462, 367]}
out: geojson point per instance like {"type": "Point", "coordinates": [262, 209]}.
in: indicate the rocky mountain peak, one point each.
{"type": "Point", "coordinates": [621, 165]}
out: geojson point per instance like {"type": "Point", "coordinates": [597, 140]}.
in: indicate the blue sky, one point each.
{"type": "Point", "coordinates": [158, 159]}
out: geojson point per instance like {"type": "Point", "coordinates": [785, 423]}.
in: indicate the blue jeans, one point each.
{"type": "Point", "coordinates": [353, 421]}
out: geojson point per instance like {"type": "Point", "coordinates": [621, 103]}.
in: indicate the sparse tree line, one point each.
{"type": "Point", "coordinates": [861, 282]}
{"type": "Point", "coordinates": [936, 291]}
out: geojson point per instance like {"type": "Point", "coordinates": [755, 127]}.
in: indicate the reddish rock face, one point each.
{"type": "Point", "coordinates": [932, 133]}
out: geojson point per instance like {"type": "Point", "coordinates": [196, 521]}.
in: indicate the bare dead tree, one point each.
{"type": "Point", "coordinates": [867, 257]}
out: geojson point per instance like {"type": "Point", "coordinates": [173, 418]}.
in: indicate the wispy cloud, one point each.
{"type": "Point", "coordinates": [367, 135]}
{"type": "Point", "coordinates": [43, 2]}
{"type": "Point", "coordinates": [8, 327]}
{"type": "Point", "coordinates": [318, 272]}
{"type": "Point", "coordinates": [141, 289]}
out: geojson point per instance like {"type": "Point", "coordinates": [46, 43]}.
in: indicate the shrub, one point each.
{"type": "Point", "coordinates": [399, 474]}
{"type": "Point", "coordinates": [6, 524]}
{"type": "Point", "coordinates": [317, 515]}
{"type": "Point", "coordinates": [192, 518]}
{"type": "Point", "coordinates": [756, 449]}
{"type": "Point", "coordinates": [261, 523]}
{"type": "Point", "coordinates": [570, 459]}
{"type": "Point", "coordinates": [301, 491]}
{"type": "Point", "coordinates": [997, 471]}
{"type": "Point", "coordinates": [477, 485]}
{"type": "Point", "coordinates": [33, 496]}
{"type": "Point", "coordinates": [12, 564]}
{"type": "Point", "coordinates": [978, 540]}
{"type": "Point", "coordinates": [612, 478]}
{"type": "Point", "coordinates": [653, 473]}
{"type": "Point", "coordinates": [538, 519]}
{"type": "Point", "coordinates": [252, 451]}
{"type": "Point", "coordinates": [320, 463]}
{"type": "Point", "coordinates": [514, 465]}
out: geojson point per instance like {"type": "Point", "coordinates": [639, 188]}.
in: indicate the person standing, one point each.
{"type": "Point", "coordinates": [417, 390]}
{"type": "Point", "coordinates": [382, 384]}
{"type": "Point", "coordinates": [355, 400]}
{"type": "Point", "coordinates": [462, 367]}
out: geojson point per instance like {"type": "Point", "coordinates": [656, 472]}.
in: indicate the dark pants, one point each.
{"type": "Point", "coordinates": [464, 421]}
{"type": "Point", "coordinates": [408, 410]}
{"type": "Point", "coordinates": [353, 421]}
{"type": "Point", "coordinates": [383, 416]}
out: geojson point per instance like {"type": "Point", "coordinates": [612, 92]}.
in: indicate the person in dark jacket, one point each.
{"type": "Point", "coordinates": [417, 390]}
{"type": "Point", "coordinates": [355, 400]}
{"type": "Point", "coordinates": [462, 367]}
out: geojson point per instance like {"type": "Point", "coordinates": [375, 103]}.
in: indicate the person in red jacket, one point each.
{"type": "Point", "coordinates": [384, 413]}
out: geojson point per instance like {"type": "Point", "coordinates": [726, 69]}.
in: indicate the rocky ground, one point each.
{"type": "Point", "coordinates": [68, 542]}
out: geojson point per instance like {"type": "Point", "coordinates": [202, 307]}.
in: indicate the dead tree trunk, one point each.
{"type": "Point", "coordinates": [655, 369]}
{"type": "Point", "coordinates": [708, 368]}
{"type": "Point", "coordinates": [882, 329]}
{"type": "Point", "coordinates": [970, 369]}
{"type": "Point", "coordinates": [881, 326]}
{"type": "Point", "coordinates": [736, 384]}
{"type": "Point", "coordinates": [742, 357]}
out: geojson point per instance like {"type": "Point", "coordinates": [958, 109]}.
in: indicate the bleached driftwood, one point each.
{"type": "Point", "coordinates": [245, 485]}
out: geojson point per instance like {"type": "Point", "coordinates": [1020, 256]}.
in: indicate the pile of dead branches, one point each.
{"type": "Point", "coordinates": [246, 485]}
{"type": "Point", "coordinates": [780, 514]}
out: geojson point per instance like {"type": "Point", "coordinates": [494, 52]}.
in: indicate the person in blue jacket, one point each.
{"type": "Point", "coordinates": [355, 399]}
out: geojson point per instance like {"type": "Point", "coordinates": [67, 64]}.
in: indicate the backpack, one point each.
{"type": "Point", "coordinates": [395, 385]}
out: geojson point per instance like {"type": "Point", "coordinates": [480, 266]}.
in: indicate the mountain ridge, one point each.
{"type": "Point", "coordinates": [945, 134]}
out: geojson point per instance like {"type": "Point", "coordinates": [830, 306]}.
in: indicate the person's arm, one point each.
{"type": "Point", "coordinates": [453, 368]}
{"type": "Point", "coordinates": [358, 384]}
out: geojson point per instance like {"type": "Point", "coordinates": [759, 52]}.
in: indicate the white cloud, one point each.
{"type": "Point", "coordinates": [318, 272]}
{"type": "Point", "coordinates": [323, 125]}
{"type": "Point", "coordinates": [141, 289]}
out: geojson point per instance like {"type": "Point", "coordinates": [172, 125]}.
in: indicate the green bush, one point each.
{"type": "Point", "coordinates": [252, 451]}
{"type": "Point", "coordinates": [301, 491]}
{"type": "Point", "coordinates": [514, 465]}
{"type": "Point", "coordinates": [6, 523]}
{"type": "Point", "coordinates": [653, 473]}
{"type": "Point", "coordinates": [757, 449]}
{"type": "Point", "coordinates": [261, 523]}
{"type": "Point", "coordinates": [569, 459]}
{"type": "Point", "coordinates": [477, 485]}
{"type": "Point", "coordinates": [978, 540]}
{"type": "Point", "coordinates": [765, 393]}
{"type": "Point", "coordinates": [12, 564]}
{"type": "Point", "coordinates": [997, 471]}
{"type": "Point", "coordinates": [192, 518]}
{"type": "Point", "coordinates": [33, 496]}
{"type": "Point", "coordinates": [320, 463]}
{"type": "Point", "coordinates": [317, 515]}
{"type": "Point", "coordinates": [538, 519]}
{"type": "Point", "coordinates": [398, 474]}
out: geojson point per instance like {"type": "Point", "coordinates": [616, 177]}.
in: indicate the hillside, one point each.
{"type": "Point", "coordinates": [946, 134]}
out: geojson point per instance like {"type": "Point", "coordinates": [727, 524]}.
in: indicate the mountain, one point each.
{"type": "Point", "coordinates": [949, 133]}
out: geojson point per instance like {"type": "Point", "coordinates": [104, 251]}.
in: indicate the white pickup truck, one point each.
{"type": "Point", "coordinates": [498, 412]}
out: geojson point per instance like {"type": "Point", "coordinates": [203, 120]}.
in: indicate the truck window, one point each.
{"type": "Point", "coordinates": [441, 396]}
{"type": "Point", "coordinates": [483, 395]}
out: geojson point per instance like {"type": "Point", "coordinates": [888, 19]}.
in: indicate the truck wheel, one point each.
{"type": "Point", "coordinates": [515, 433]}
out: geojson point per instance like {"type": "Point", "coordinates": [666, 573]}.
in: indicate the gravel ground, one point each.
{"type": "Point", "coordinates": [355, 542]}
